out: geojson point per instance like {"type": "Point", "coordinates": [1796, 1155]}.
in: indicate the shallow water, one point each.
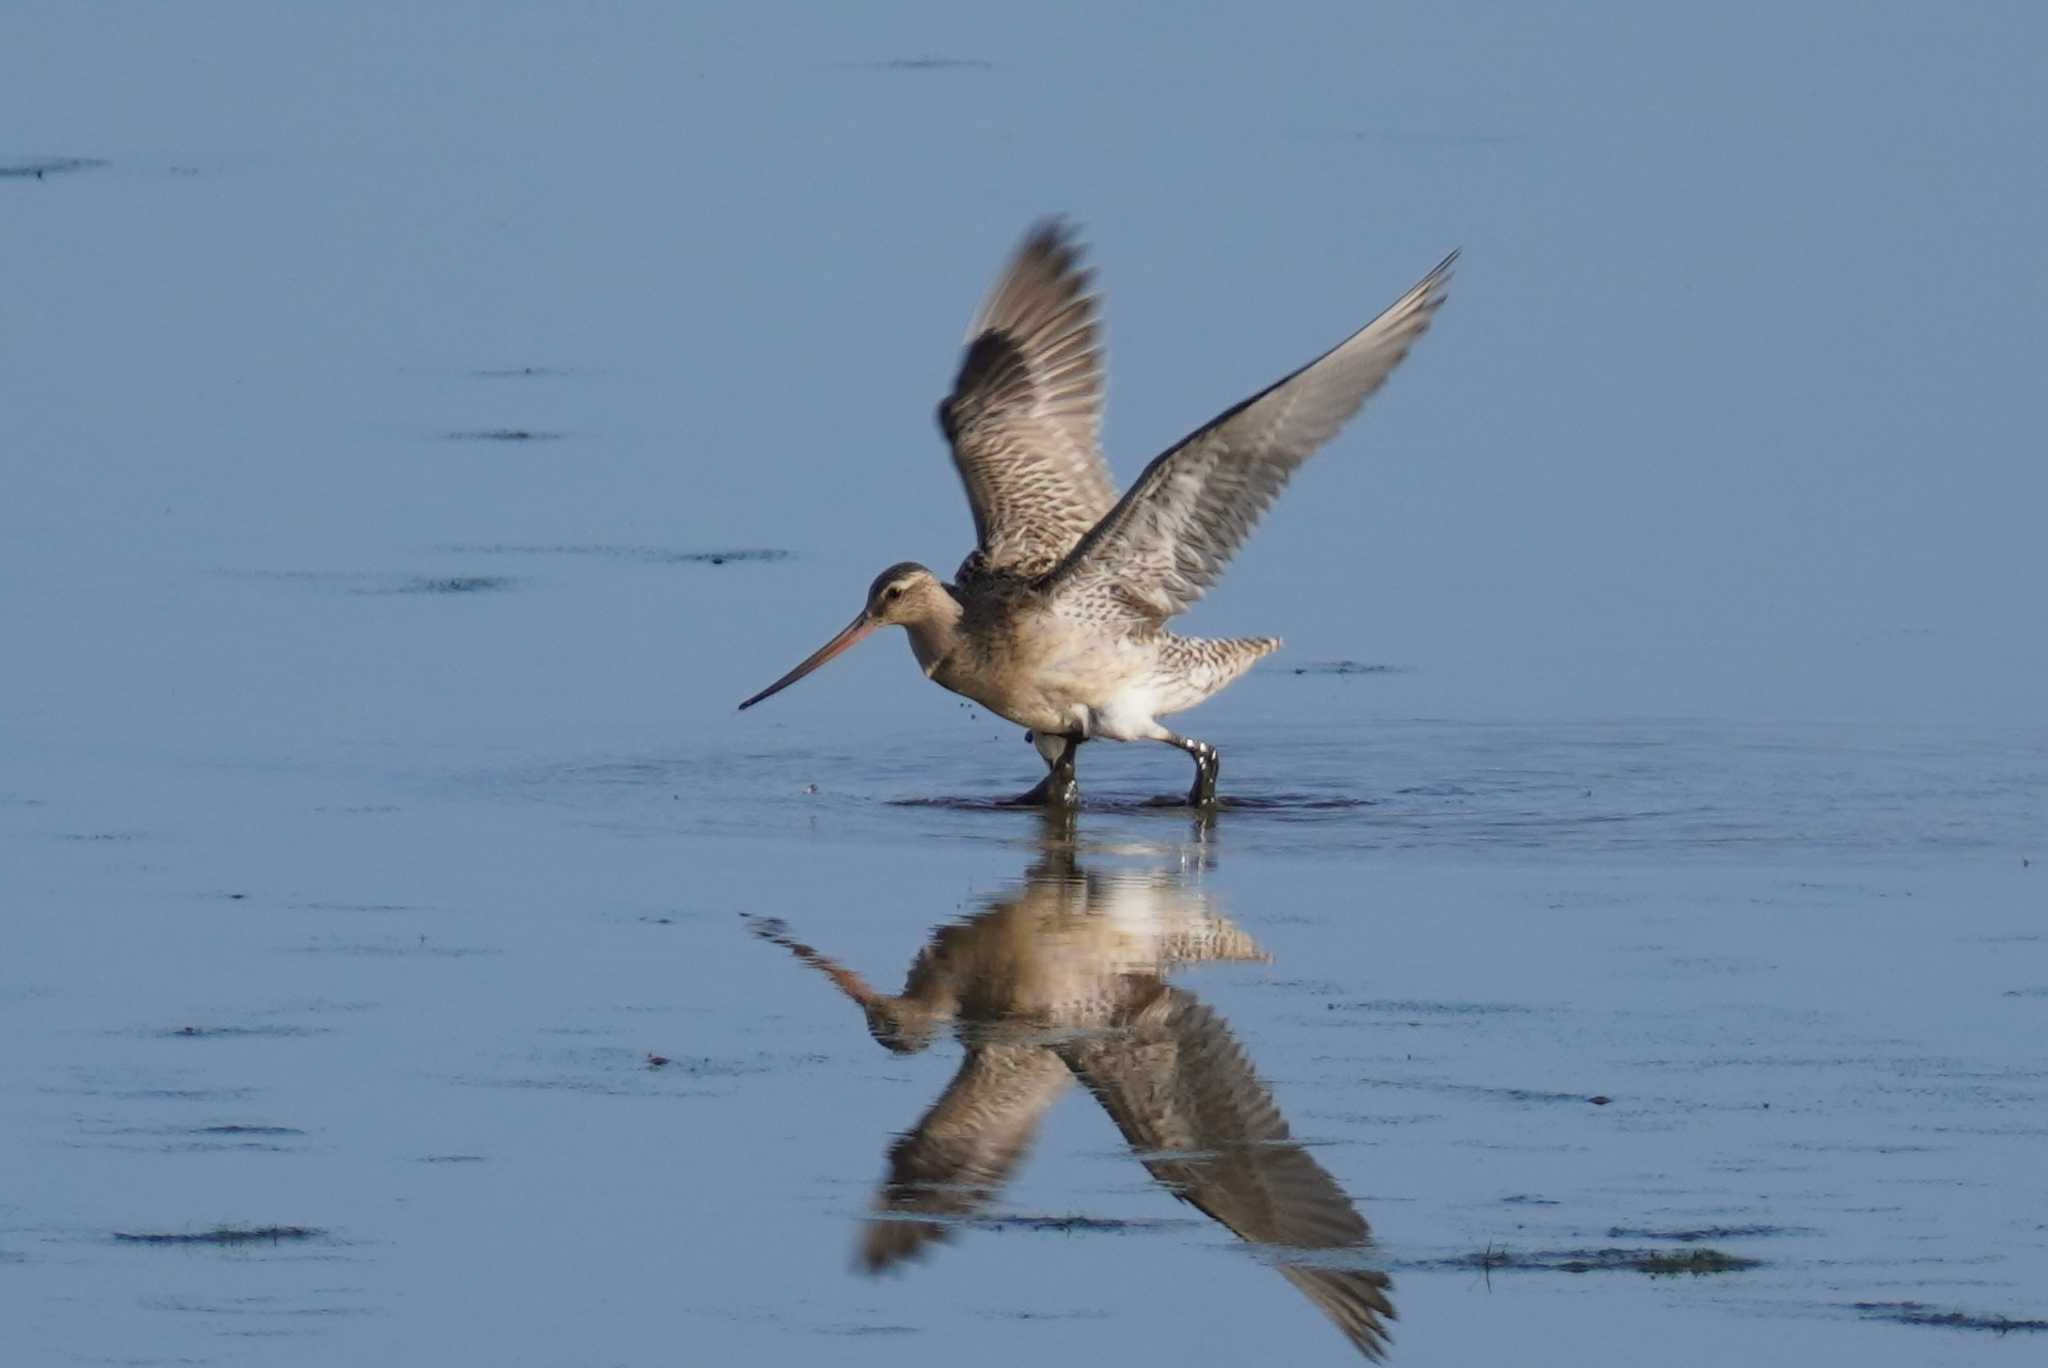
{"type": "Point", "coordinates": [1641, 836]}
{"type": "Point", "coordinates": [492, 1029]}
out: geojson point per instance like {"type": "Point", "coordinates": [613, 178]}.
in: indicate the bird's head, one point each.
{"type": "Point", "coordinates": [901, 1025]}
{"type": "Point", "coordinates": [904, 593]}
{"type": "Point", "coordinates": [902, 596]}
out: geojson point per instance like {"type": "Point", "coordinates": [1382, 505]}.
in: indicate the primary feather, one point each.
{"type": "Point", "coordinates": [1171, 535]}
{"type": "Point", "coordinates": [1024, 418]}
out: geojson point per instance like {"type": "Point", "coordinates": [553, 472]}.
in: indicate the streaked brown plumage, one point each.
{"type": "Point", "coordinates": [1067, 980]}
{"type": "Point", "coordinates": [1057, 619]}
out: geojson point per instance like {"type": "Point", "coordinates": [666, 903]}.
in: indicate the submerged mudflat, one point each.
{"type": "Point", "coordinates": [1729, 1034]}
{"type": "Point", "coordinates": [1622, 938]}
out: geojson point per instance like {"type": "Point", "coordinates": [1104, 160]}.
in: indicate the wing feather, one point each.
{"type": "Point", "coordinates": [1025, 415]}
{"type": "Point", "coordinates": [1170, 536]}
{"type": "Point", "coordinates": [963, 1150]}
{"type": "Point", "coordinates": [1185, 1096]}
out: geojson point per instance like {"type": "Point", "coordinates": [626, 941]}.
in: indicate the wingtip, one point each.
{"type": "Point", "coordinates": [1432, 290]}
{"type": "Point", "coordinates": [1057, 239]}
{"type": "Point", "coordinates": [1442, 270]}
{"type": "Point", "coordinates": [1047, 272]}
{"type": "Point", "coordinates": [1052, 230]}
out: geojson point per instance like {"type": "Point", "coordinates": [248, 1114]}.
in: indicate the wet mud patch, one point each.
{"type": "Point", "coordinates": [224, 1237]}
{"type": "Point", "coordinates": [618, 1072]}
{"type": "Point", "coordinates": [944, 1227]}
{"type": "Point", "coordinates": [1878, 1147]}
{"type": "Point", "coordinates": [1418, 1007]}
{"type": "Point", "coordinates": [1656, 1263]}
{"type": "Point", "coordinates": [562, 1083]}
{"type": "Point", "coordinates": [322, 1006]}
{"type": "Point", "coordinates": [1501, 1094]}
{"type": "Point", "coordinates": [506, 434]}
{"type": "Point", "coordinates": [649, 555]}
{"type": "Point", "coordinates": [1320, 988]}
{"type": "Point", "coordinates": [1350, 667]}
{"type": "Point", "coordinates": [249, 1139]}
{"type": "Point", "coordinates": [420, 948]}
{"type": "Point", "coordinates": [446, 584]}
{"type": "Point", "coordinates": [1702, 1233]}
{"type": "Point", "coordinates": [1070, 1225]}
{"type": "Point", "coordinates": [379, 585]}
{"type": "Point", "coordinates": [1919, 1313]}
{"type": "Point", "coordinates": [269, 1314]}
{"type": "Point", "coordinates": [925, 63]}
{"type": "Point", "coordinates": [700, 1066]}
{"type": "Point", "coordinates": [42, 168]}
{"type": "Point", "coordinates": [224, 1094]}
{"type": "Point", "coordinates": [235, 1032]}
{"type": "Point", "coordinates": [209, 1139]}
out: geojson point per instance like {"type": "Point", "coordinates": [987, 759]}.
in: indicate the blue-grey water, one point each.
{"type": "Point", "coordinates": [419, 429]}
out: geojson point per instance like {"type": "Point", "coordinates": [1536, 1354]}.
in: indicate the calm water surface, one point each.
{"type": "Point", "coordinates": [420, 427]}
{"type": "Point", "coordinates": [491, 1026]}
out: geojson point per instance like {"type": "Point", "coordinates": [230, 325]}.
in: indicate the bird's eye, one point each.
{"type": "Point", "coordinates": [895, 592]}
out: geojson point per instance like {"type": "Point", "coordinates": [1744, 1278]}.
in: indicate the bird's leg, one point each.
{"type": "Point", "coordinates": [1065, 791]}
{"type": "Point", "coordinates": [1058, 788]}
{"type": "Point", "coordinates": [1207, 766]}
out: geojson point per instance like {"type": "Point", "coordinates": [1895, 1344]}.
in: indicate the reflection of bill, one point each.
{"type": "Point", "coordinates": [1066, 980]}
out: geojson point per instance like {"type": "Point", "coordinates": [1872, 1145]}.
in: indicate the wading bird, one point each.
{"type": "Point", "coordinates": [1057, 619]}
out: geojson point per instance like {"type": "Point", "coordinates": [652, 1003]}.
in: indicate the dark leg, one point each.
{"type": "Point", "coordinates": [1058, 788]}
{"type": "Point", "coordinates": [1207, 766]}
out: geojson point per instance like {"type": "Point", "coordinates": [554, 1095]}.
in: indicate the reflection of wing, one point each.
{"type": "Point", "coordinates": [963, 1149]}
{"type": "Point", "coordinates": [1184, 1095]}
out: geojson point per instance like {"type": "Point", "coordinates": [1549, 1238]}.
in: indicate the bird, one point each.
{"type": "Point", "coordinates": [1057, 620]}
{"type": "Point", "coordinates": [1064, 980]}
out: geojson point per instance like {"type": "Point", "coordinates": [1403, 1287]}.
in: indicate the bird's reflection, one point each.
{"type": "Point", "coordinates": [1063, 980]}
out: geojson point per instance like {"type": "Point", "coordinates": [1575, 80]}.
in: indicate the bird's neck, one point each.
{"type": "Point", "coordinates": [933, 637]}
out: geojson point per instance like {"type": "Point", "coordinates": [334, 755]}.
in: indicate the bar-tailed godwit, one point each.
{"type": "Point", "coordinates": [1057, 620]}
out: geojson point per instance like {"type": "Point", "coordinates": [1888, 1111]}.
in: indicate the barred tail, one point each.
{"type": "Point", "coordinates": [1203, 669]}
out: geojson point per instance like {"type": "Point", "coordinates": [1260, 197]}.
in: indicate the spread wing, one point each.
{"type": "Point", "coordinates": [1025, 414]}
{"type": "Point", "coordinates": [1185, 1096]}
{"type": "Point", "coordinates": [963, 1150]}
{"type": "Point", "coordinates": [1169, 537]}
